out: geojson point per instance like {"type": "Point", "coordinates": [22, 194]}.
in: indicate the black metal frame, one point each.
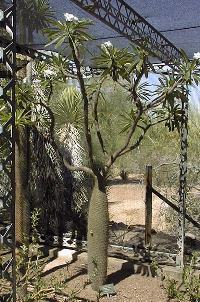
{"type": "Point", "coordinates": [120, 16]}
{"type": "Point", "coordinates": [7, 236]}
{"type": "Point", "coordinates": [116, 14]}
{"type": "Point", "coordinates": [24, 50]}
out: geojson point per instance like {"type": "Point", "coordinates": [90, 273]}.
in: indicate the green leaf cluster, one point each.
{"type": "Point", "coordinates": [61, 31]}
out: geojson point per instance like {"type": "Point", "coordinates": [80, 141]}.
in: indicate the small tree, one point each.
{"type": "Point", "coordinates": [147, 108]}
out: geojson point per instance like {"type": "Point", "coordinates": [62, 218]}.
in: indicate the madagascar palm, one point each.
{"type": "Point", "coordinates": [126, 69]}
{"type": "Point", "coordinates": [25, 98]}
{"type": "Point", "coordinates": [33, 16]}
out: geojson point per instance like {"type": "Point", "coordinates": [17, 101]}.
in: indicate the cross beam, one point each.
{"type": "Point", "coordinates": [121, 17]}
{"type": "Point", "coordinates": [39, 56]}
{"type": "Point", "coordinates": [24, 50]}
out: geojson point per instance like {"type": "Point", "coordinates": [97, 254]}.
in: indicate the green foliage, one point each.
{"type": "Point", "coordinates": [29, 267]}
{"type": "Point", "coordinates": [25, 100]}
{"type": "Point", "coordinates": [191, 280]}
{"type": "Point", "coordinates": [68, 109]}
{"type": "Point", "coordinates": [35, 15]}
{"type": "Point", "coordinates": [141, 109]}
{"type": "Point", "coordinates": [120, 63]}
{"type": "Point", "coordinates": [189, 289]}
{"type": "Point", "coordinates": [62, 31]}
{"type": "Point", "coordinates": [40, 14]}
{"type": "Point", "coordinates": [189, 69]}
{"type": "Point", "coordinates": [31, 285]}
{"type": "Point", "coordinates": [113, 101]}
{"type": "Point", "coordinates": [126, 68]}
{"type": "Point", "coordinates": [55, 69]}
{"type": "Point", "coordinates": [114, 61]}
{"type": "Point", "coordinates": [171, 289]}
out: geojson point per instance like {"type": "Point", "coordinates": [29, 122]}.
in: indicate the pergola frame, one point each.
{"type": "Point", "coordinates": [8, 58]}
{"type": "Point", "coordinates": [123, 20]}
{"type": "Point", "coordinates": [126, 21]}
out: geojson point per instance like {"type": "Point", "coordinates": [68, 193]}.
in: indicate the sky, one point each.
{"type": "Point", "coordinates": [194, 96]}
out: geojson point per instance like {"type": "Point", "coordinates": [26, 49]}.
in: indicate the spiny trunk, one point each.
{"type": "Point", "coordinates": [97, 237]}
{"type": "Point", "coordinates": [22, 207]}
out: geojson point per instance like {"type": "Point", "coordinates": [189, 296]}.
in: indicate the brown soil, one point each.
{"type": "Point", "coordinates": [130, 285]}
{"type": "Point", "coordinates": [127, 205]}
{"type": "Point", "coordinates": [132, 279]}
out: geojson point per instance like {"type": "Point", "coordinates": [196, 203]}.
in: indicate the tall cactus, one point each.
{"type": "Point", "coordinates": [97, 236]}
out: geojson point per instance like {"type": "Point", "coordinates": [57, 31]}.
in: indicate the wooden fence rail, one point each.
{"type": "Point", "coordinates": [148, 206]}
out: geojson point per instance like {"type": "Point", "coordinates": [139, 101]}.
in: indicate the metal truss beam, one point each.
{"type": "Point", "coordinates": [7, 159]}
{"type": "Point", "coordinates": [40, 56]}
{"type": "Point", "coordinates": [121, 17]}
{"type": "Point", "coordinates": [24, 50]}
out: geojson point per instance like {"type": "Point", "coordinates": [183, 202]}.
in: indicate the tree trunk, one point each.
{"type": "Point", "coordinates": [22, 145]}
{"type": "Point", "coordinates": [22, 207]}
{"type": "Point", "coordinates": [97, 237]}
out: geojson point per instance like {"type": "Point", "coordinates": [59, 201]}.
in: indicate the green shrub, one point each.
{"type": "Point", "coordinates": [189, 289]}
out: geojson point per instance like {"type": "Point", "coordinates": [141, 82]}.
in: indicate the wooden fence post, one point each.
{"type": "Point", "coordinates": [148, 206]}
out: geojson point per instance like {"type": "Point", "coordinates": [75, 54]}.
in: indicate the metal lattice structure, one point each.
{"type": "Point", "coordinates": [7, 138]}
{"type": "Point", "coordinates": [121, 17]}
{"type": "Point", "coordinates": [183, 181]}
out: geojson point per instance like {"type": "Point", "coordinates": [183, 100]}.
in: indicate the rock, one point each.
{"type": "Point", "coordinates": [153, 232]}
{"type": "Point", "coordinates": [67, 254]}
{"type": "Point", "coordinates": [190, 239]}
{"type": "Point", "coordinates": [190, 236]}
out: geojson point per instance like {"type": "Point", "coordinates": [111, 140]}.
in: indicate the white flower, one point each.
{"type": "Point", "coordinates": [70, 18]}
{"type": "Point", "coordinates": [36, 81]}
{"type": "Point", "coordinates": [166, 68]}
{"type": "Point", "coordinates": [196, 55]}
{"type": "Point", "coordinates": [49, 72]}
{"type": "Point", "coordinates": [107, 44]}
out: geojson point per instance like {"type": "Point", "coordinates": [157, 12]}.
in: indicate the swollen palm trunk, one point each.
{"type": "Point", "coordinates": [22, 220]}
{"type": "Point", "coordinates": [98, 235]}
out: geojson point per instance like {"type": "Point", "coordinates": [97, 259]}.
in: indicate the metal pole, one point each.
{"type": "Point", "coordinates": [7, 95]}
{"type": "Point", "coordinates": [148, 206]}
{"type": "Point", "coordinates": [14, 34]}
{"type": "Point", "coordinates": [182, 182]}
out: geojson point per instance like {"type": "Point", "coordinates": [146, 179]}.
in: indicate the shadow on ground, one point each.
{"type": "Point", "coordinates": [133, 236]}
{"type": "Point", "coordinates": [129, 268]}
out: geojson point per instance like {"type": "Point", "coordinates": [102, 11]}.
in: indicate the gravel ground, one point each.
{"type": "Point", "coordinates": [129, 285]}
